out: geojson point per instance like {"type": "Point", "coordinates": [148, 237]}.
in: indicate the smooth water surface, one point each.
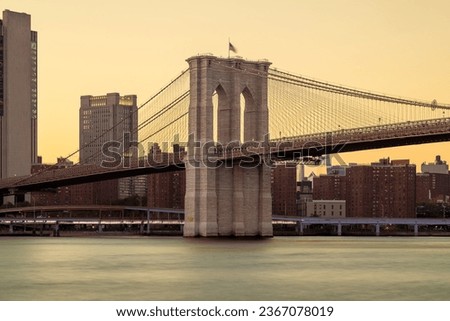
{"type": "Point", "coordinates": [282, 268]}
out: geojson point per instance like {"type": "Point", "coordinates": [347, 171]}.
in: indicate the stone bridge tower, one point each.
{"type": "Point", "coordinates": [232, 199]}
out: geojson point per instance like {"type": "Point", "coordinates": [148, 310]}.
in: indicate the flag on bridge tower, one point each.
{"type": "Point", "coordinates": [231, 48]}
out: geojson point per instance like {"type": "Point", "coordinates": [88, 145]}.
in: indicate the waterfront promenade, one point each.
{"type": "Point", "coordinates": [57, 220]}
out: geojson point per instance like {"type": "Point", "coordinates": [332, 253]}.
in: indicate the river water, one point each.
{"type": "Point", "coordinates": [172, 268]}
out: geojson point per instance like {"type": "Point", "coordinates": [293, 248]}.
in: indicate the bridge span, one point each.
{"type": "Point", "coordinates": [287, 148]}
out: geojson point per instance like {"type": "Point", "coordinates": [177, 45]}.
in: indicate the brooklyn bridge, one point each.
{"type": "Point", "coordinates": [224, 120]}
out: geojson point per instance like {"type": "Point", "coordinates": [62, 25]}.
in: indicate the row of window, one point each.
{"type": "Point", "coordinates": [325, 206]}
{"type": "Point", "coordinates": [324, 213]}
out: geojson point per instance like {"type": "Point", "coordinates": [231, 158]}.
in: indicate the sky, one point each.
{"type": "Point", "coordinates": [87, 47]}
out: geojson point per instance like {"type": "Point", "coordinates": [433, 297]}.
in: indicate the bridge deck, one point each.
{"type": "Point", "coordinates": [344, 140]}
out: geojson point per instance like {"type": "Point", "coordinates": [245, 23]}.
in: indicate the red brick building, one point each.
{"type": "Point", "coordinates": [82, 194]}
{"type": "Point", "coordinates": [360, 190]}
{"type": "Point", "coordinates": [383, 189]}
{"type": "Point", "coordinates": [330, 187]}
{"type": "Point", "coordinates": [55, 196]}
{"type": "Point", "coordinates": [394, 189]}
{"type": "Point", "coordinates": [99, 193]}
{"type": "Point", "coordinates": [166, 189]}
{"type": "Point", "coordinates": [432, 188]}
{"type": "Point", "coordinates": [284, 186]}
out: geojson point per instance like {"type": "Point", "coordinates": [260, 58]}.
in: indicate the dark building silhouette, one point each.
{"type": "Point", "coordinates": [56, 196]}
{"type": "Point", "coordinates": [166, 189]}
{"type": "Point", "coordinates": [432, 188]}
{"type": "Point", "coordinates": [284, 187]}
{"type": "Point", "coordinates": [98, 193]}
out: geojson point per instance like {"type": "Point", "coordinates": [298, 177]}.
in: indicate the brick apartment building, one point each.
{"type": "Point", "coordinates": [166, 189]}
{"type": "Point", "coordinates": [330, 187]}
{"type": "Point", "coordinates": [98, 193]}
{"type": "Point", "coordinates": [383, 189]}
{"type": "Point", "coordinates": [284, 189]}
{"type": "Point", "coordinates": [432, 188]}
{"type": "Point", "coordinates": [57, 196]}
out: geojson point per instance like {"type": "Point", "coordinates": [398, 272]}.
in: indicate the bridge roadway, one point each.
{"type": "Point", "coordinates": [364, 138]}
{"type": "Point", "coordinates": [345, 140]}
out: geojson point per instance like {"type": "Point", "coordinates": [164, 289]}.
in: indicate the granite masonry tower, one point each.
{"type": "Point", "coordinates": [227, 199]}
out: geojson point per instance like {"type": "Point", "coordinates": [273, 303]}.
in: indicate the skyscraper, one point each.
{"type": "Point", "coordinates": [18, 94]}
{"type": "Point", "coordinates": [98, 114]}
{"type": "Point", "coordinates": [105, 119]}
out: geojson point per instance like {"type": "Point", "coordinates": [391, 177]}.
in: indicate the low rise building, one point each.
{"type": "Point", "coordinates": [438, 167]}
{"type": "Point", "coordinates": [326, 208]}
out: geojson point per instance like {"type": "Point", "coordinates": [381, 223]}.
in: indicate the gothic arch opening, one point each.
{"type": "Point", "coordinates": [220, 115]}
{"type": "Point", "coordinates": [248, 114]}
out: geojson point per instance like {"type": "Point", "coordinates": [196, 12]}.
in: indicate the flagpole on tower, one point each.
{"type": "Point", "coordinates": [231, 48]}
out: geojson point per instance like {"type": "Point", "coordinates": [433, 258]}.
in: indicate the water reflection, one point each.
{"type": "Point", "coordinates": [290, 268]}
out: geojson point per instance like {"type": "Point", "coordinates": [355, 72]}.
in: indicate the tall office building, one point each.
{"type": "Point", "coordinates": [98, 114]}
{"type": "Point", "coordinates": [18, 94]}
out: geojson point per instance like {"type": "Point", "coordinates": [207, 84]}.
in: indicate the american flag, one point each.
{"type": "Point", "coordinates": [231, 47]}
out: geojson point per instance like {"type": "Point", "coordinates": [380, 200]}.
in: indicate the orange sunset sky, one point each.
{"type": "Point", "coordinates": [87, 47]}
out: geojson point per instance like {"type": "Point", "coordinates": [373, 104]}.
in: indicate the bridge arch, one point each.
{"type": "Point", "coordinates": [221, 115]}
{"type": "Point", "coordinates": [249, 116]}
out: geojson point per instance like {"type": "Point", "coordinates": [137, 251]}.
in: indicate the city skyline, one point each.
{"type": "Point", "coordinates": [374, 47]}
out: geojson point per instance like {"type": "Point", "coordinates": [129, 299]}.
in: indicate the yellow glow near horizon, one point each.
{"type": "Point", "coordinates": [399, 48]}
